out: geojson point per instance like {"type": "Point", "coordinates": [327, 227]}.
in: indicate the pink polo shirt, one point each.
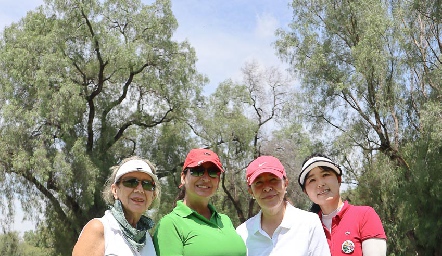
{"type": "Point", "coordinates": [352, 225]}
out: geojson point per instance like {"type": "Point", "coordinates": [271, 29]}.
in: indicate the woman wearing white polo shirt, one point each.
{"type": "Point", "coordinates": [279, 228]}
{"type": "Point", "coordinates": [123, 230]}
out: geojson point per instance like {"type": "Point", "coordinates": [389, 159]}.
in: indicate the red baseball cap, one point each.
{"type": "Point", "coordinates": [198, 156]}
{"type": "Point", "coordinates": [264, 164]}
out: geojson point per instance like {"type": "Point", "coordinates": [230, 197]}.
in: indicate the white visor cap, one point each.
{"type": "Point", "coordinates": [135, 165]}
{"type": "Point", "coordinates": [316, 162]}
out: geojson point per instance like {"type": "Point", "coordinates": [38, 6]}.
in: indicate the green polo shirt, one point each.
{"type": "Point", "coordinates": [186, 232]}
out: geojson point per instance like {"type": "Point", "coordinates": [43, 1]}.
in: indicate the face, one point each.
{"type": "Point", "coordinates": [201, 186]}
{"type": "Point", "coordinates": [268, 190]}
{"type": "Point", "coordinates": [322, 186]}
{"type": "Point", "coordinates": [134, 200]}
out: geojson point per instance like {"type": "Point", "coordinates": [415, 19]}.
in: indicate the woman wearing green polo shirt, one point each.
{"type": "Point", "coordinates": [194, 227]}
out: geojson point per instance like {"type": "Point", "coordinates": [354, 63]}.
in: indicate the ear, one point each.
{"type": "Point", "coordinates": [183, 178]}
{"type": "Point", "coordinates": [339, 179]}
{"type": "Point", "coordinates": [114, 190]}
{"type": "Point", "coordinates": [286, 182]}
{"type": "Point", "coordinates": [250, 191]}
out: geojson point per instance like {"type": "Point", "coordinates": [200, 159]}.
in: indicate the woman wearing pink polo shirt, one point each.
{"type": "Point", "coordinates": [350, 230]}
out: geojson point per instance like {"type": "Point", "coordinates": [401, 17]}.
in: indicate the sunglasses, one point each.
{"type": "Point", "coordinates": [199, 171]}
{"type": "Point", "coordinates": [133, 183]}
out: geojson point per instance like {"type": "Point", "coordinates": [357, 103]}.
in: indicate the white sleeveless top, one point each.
{"type": "Point", "coordinates": [114, 242]}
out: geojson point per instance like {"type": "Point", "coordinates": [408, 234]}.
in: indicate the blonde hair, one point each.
{"type": "Point", "coordinates": [107, 194]}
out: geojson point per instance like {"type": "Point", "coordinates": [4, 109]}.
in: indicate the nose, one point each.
{"type": "Point", "coordinates": [139, 188]}
{"type": "Point", "coordinates": [267, 188]}
{"type": "Point", "coordinates": [205, 175]}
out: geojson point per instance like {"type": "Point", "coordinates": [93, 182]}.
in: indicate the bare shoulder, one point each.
{"type": "Point", "coordinates": [94, 226]}
{"type": "Point", "coordinates": [91, 240]}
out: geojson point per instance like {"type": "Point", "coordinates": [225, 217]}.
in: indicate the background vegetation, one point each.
{"type": "Point", "coordinates": [85, 84]}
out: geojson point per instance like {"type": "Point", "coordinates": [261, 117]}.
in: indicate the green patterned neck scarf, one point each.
{"type": "Point", "coordinates": [135, 236]}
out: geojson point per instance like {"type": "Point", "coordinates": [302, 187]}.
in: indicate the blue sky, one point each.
{"type": "Point", "coordinates": [225, 35]}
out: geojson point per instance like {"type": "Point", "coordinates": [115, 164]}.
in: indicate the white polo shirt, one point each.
{"type": "Point", "coordinates": [300, 233]}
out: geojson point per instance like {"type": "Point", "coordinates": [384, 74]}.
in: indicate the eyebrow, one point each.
{"type": "Point", "coordinates": [322, 171]}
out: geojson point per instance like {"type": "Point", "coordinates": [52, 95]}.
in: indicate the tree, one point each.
{"type": "Point", "coordinates": [237, 122]}
{"type": "Point", "coordinates": [82, 83]}
{"type": "Point", "coordinates": [9, 244]}
{"type": "Point", "coordinates": [370, 70]}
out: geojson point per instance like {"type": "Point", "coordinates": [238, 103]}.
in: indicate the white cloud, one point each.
{"type": "Point", "coordinates": [266, 24]}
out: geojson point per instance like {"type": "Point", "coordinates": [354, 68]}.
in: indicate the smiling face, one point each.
{"type": "Point", "coordinates": [322, 187]}
{"type": "Point", "coordinates": [136, 200]}
{"type": "Point", "coordinates": [269, 191]}
{"type": "Point", "coordinates": [202, 187]}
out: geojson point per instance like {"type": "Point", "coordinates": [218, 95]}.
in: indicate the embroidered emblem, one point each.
{"type": "Point", "coordinates": [348, 246]}
{"type": "Point", "coordinates": [347, 233]}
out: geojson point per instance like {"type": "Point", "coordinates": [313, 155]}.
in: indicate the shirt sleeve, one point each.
{"type": "Point", "coordinates": [167, 239]}
{"type": "Point", "coordinates": [374, 247]}
{"type": "Point", "coordinates": [318, 242]}
{"type": "Point", "coordinates": [371, 225]}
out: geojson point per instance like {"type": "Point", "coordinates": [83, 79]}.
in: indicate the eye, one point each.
{"type": "Point", "coordinates": [275, 180]}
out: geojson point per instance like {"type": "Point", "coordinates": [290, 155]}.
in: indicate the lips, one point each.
{"type": "Point", "coordinates": [269, 196]}
{"type": "Point", "coordinates": [325, 191]}
{"type": "Point", "coordinates": [137, 199]}
{"type": "Point", "coordinates": [202, 186]}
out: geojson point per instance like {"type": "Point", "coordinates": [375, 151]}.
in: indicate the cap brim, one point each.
{"type": "Point", "coordinates": [135, 166]}
{"type": "Point", "coordinates": [259, 172]}
{"type": "Point", "coordinates": [195, 164]}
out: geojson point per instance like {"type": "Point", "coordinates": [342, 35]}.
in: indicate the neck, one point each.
{"type": "Point", "coordinates": [200, 206]}
{"type": "Point", "coordinates": [272, 218]}
{"type": "Point", "coordinates": [132, 219]}
{"type": "Point", "coordinates": [332, 206]}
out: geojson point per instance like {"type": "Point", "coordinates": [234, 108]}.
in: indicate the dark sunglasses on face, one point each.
{"type": "Point", "coordinates": [133, 183]}
{"type": "Point", "coordinates": [213, 172]}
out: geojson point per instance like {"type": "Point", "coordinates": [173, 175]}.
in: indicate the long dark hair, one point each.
{"type": "Point", "coordinates": [315, 208]}
{"type": "Point", "coordinates": [182, 192]}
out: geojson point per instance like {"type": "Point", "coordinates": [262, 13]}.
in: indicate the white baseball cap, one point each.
{"type": "Point", "coordinates": [135, 165]}
{"type": "Point", "coordinates": [316, 161]}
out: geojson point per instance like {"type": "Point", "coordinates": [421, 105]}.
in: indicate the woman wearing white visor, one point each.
{"type": "Point", "coordinates": [350, 230]}
{"type": "Point", "coordinates": [123, 230]}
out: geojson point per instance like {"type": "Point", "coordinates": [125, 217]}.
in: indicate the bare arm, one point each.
{"type": "Point", "coordinates": [91, 240]}
{"type": "Point", "coordinates": [374, 247]}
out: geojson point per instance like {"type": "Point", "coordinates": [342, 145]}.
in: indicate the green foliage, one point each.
{"type": "Point", "coordinates": [82, 85]}
{"type": "Point", "coordinates": [30, 245]}
{"type": "Point", "coordinates": [371, 82]}
{"type": "Point", "coordinates": [9, 244]}
{"type": "Point", "coordinates": [236, 122]}
{"type": "Point", "coordinates": [38, 243]}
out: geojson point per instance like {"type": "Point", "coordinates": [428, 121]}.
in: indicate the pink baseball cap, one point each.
{"type": "Point", "coordinates": [264, 164]}
{"type": "Point", "coordinates": [198, 156]}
